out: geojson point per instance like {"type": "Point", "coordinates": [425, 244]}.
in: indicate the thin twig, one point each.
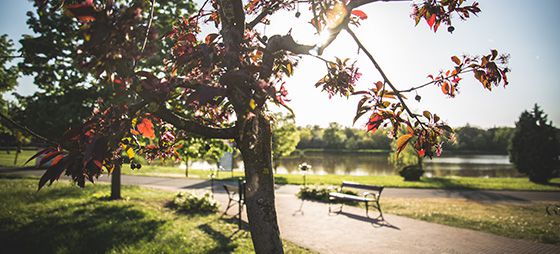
{"type": "Point", "coordinates": [385, 78]}
{"type": "Point", "coordinates": [25, 129]}
{"type": "Point", "coordinates": [433, 81]}
{"type": "Point", "coordinates": [11, 57]}
{"type": "Point", "coordinates": [149, 26]}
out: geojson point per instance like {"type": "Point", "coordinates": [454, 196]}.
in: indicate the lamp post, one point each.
{"type": "Point", "coordinates": [304, 167]}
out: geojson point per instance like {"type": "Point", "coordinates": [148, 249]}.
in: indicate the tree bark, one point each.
{"type": "Point", "coordinates": [116, 183]}
{"type": "Point", "coordinates": [255, 144]}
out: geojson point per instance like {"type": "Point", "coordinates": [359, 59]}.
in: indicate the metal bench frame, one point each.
{"type": "Point", "coordinates": [369, 197]}
{"type": "Point", "coordinates": [236, 194]}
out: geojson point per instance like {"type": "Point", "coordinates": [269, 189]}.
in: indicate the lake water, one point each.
{"type": "Point", "coordinates": [377, 164]}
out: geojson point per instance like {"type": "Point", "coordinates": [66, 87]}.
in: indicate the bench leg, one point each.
{"type": "Point", "coordinates": [228, 206]}
{"type": "Point", "coordinates": [367, 209]}
{"type": "Point", "coordinates": [339, 210]}
{"type": "Point", "coordinates": [379, 208]}
{"type": "Point", "coordinates": [240, 204]}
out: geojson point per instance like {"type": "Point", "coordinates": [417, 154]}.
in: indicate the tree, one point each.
{"type": "Point", "coordinates": [285, 136]}
{"type": "Point", "coordinates": [219, 86]}
{"type": "Point", "coordinates": [52, 55]}
{"type": "Point", "coordinates": [9, 135]}
{"type": "Point", "coordinates": [535, 147]}
{"type": "Point", "coordinates": [334, 136]}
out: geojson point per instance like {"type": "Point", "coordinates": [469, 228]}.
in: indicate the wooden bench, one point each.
{"type": "Point", "coordinates": [236, 194]}
{"type": "Point", "coordinates": [369, 195]}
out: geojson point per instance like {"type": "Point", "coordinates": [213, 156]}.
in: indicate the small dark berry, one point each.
{"type": "Point", "coordinates": [298, 14]}
{"type": "Point", "coordinates": [450, 29]}
{"type": "Point", "coordinates": [418, 98]}
{"type": "Point", "coordinates": [138, 166]}
{"type": "Point", "coordinates": [265, 38]}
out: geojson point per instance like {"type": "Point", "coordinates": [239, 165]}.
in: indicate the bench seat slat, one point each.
{"type": "Point", "coordinates": [351, 197]}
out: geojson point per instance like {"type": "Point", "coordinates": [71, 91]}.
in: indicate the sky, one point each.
{"type": "Point", "coordinates": [527, 30]}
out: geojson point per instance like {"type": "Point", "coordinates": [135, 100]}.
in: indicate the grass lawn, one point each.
{"type": "Point", "coordinates": [7, 159]}
{"type": "Point", "coordinates": [66, 219]}
{"type": "Point", "coordinates": [498, 183]}
{"type": "Point", "coordinates": [523, 221]}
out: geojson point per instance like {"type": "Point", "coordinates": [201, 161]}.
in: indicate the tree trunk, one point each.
{"type": "Point", "coordinates": [255, 144]}
{"type": "Point", "coordinates": [116, 183]}
{"type": "Point", "coordinates": [187, 167]}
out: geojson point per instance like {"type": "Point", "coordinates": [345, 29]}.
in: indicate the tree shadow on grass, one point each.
{"type": "Point", "coordinates": [551, 184]}
{"type": "Point", "coordinates": [224, 243]}
{"type": "Point", "coordinates": [83, 228]}
{"type": "Point", "coordinates": [445, 183]}
{"type": "Point", "coordinates": [451, 189]}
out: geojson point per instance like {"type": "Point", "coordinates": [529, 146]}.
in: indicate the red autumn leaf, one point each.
{"type": "Point", "coordinates": [84, 12]}
{"type": "Point", "coordinates": [191, 38]}
{"type": "Point", "coordinates": [445, 88]}
{"type": "Point", "coordinates": [210, 38]}
{"type": "Point", "coordinates": [57, 159]}
{"type": "Point", "coordinates": [456, 60]}
{"type": "Point", "coordinates": [379, 85]}
{"type": "Point", "coordinates": [362, 15]}
{"type": "Point", "coordinates": [98, 164]}
{"type": "Point", "coordinates": [431, 21]}
{"type": "Point", "coordinates": [374, 121]}
{"type": "Point", "coordinates": [146, 128]}
{"type": "Point", "coordinates": [421, 152]}
{"type": "Point", "coordinates": [456, 80]}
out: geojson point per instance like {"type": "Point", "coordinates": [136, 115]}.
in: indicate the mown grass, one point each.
{"type": "Point", "coordinates": [66, 219]}
{"type": "Point", "coordinates": [459, 183]}
{"type": "Point", "coordinates": [528, 221]}
{"type": "Point", "coordinates": [7, 158]}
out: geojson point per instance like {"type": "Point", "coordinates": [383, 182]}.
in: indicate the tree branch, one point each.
{"type": "Point", "coordinates": [275, 44]}
{"type": "Point", "coordinates": [195, 128]}
{"type": "Point", "coordinates": [259, 17]}
{"type": "Point", "coordinates": [357, 3]}
{"type": "Point", "coordinates": [149, 26]}
{"type": "Point", "coordinates": [433, 81]}
{"type": "Point", "coordinates": [232, 16]}
{"type": "Point", "coordinates": [25, 129]}
{"type": "Point", "coordinates": [385, 78]}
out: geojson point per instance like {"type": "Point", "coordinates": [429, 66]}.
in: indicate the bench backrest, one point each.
{"type": "Point", "coordinates": [239, 189]}
{"type": "Point", "coordinates": [362, 186]}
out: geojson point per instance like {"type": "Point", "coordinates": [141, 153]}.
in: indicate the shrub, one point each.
{"type": "Point", "coordinates": [189, 202]}
{"type": "Point", "coordinates": [411, 173]}
{"type": "Point", "coordinates": [320, 192]}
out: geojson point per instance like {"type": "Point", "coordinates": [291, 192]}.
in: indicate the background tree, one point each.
{"type": "Point", "coordinates": [535, 148]}
{"type": "Point", "coordinates": [10, 136]}
{"type": "Point", "coordinates": [311, 137]}
{"type": "Point", "coordinates": [285, 136]}
{"type": "Point", "coordinates": [334, 136]}
{"type": "Point", "coordinates": [220, 85]}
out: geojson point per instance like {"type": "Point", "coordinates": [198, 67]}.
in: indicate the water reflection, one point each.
{"type": "Point", "coordinates": [377, 164]}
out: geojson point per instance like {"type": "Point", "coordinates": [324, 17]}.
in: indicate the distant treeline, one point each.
{"type": "Point", "coordinates": [468, 139]}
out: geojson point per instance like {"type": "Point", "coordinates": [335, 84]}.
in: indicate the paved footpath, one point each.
{"type": "Point", "coordinates": [309, 224]}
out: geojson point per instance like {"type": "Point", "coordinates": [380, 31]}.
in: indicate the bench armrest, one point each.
{"type": "Point", "coordinates": [374, 195]}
